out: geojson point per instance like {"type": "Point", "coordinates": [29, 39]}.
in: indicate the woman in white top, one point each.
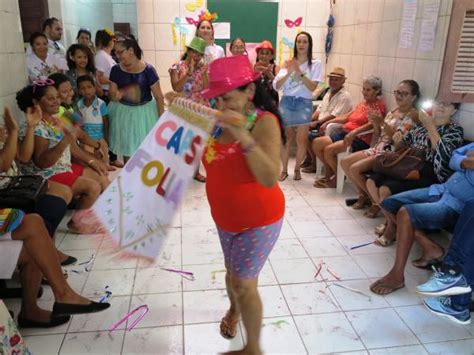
{"type": "Point", "coordinates": [104, 42]}
{"type": "Point", "coordinates": [39, 63]}
{"type": "Point", "coordinates": [297, 79]}
{"type": "Point", "coordinates": [205, 30]}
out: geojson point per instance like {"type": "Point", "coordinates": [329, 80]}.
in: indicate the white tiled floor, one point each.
{"type": "Point", "coordinates": [301, 314]}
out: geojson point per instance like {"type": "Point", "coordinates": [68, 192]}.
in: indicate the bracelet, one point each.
{"type": "Point", "coordinates": [248, 148]}
{"type": "Point", "coordinates": [90, 162]}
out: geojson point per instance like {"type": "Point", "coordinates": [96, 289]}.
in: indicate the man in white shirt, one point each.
{"type": "Point", "coordinates": [53, 29]}
{"type": "Point", "coordinates": [336, 102]}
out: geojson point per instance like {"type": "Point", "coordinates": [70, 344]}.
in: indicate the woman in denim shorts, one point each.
{"type": "Point", "coordinates": [297, 79]}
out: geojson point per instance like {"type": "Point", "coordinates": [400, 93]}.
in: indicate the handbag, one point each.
{"type": "Point", "coordinates": [21, 192]}
{"type": "Point", "coordinates": [401, 165]}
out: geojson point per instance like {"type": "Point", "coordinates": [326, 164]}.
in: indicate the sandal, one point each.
{"type": "Point", "coordinates": [373, 211]}
{"type": "Point", "coordinates": [199, 177]}
{"type": "Point", "coordinates": [297, 175]}
{"type": "Point", "coordinates": [325, 183]}
{"type": "Point", "coordinates": [283, 176]}
{"type": "Point", "coordinates": [382, 289]}
{"type": "Point", "coordinates": [383, 241]}
{"type": "Point", "coordinates": [380, 229]}
{"type": "Point", "coordinates": [228, 327]}
{"type": "Point", "coordinates": [362, 202]}
{"type": "Point", "coordinates": [425, 264]}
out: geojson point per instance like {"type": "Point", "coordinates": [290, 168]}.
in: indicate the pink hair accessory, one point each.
{"type": "Point", "coordinates": [145, 309]}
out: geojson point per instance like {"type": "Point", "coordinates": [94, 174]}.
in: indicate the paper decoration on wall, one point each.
{"type": "Point", "coordinates": [222, 30]}
{"type": "Point", "coordinates": [193, 6]}
{"type": "Point", "coordinates": [139, 205]}
{"type": "Point", "coordinates": [296, 23]}
{"type": "Point", "coordinates": [428, 26]}
{"type": "Point", "coordinates": [280, 52]}
{"type": "Point", "coordinates": [330, 35]}
{"type": "Point", "coordinates": [407, 27]}
{"type": "Point", "coordinates": [177, 27]}
{"type": "Point", "coordinates": [192, 21]}
{"type": "Point", "coordinates": [287, 42]}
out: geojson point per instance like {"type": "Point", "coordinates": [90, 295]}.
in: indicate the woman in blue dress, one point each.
{"type": "Point", "coordinates": [137, 100]}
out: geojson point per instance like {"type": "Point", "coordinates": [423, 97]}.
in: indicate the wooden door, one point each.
{"type": "Point", "coordinates": [32, 13]}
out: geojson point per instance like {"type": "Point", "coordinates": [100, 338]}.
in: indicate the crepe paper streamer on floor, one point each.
{"type": "Point", "coordinates": [213, 274]}
{"type": "Point", "coordinates": [330, 296]}
{"type": "Point", "coordinates": [143, 307]}
{"type": "Point", "coordinates": [351, 289]}
{"type": "Point", "coordinates": [337, 277]}
{"type": "Point", "coordinates": [107, 295]}
{"type": "Point", "coordinates": [85, 264]}
{"type": "Point", "coordinates": [360, 245]}
{"type": "Point", "coordinates": [279, 323]}
{"type": "Point", "coordinates": [186, 274]}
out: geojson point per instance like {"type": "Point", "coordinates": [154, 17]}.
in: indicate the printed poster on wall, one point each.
{"type": "Point", "coordinates": [428, 25]}
{"type": "Point", "coordinates": [407, 28]}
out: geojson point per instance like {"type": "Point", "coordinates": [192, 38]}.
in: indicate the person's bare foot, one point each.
{"type": "Point", "coordinates": [229, 324]}
{"type": "Point", "coordinates": [388, 284]}
{"type": "Point", "coordinates": [245, 351]}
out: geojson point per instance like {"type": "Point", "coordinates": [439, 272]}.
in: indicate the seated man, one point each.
{"type": "Point", "coordinates": [450, 287]}
{"type": "Point", "coordinates": [336, 102]}
{"type": "Point", "coordinates": [435, 207]}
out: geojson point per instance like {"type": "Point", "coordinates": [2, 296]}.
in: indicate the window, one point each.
{"type": "Point", "coordinates": [457, 73]}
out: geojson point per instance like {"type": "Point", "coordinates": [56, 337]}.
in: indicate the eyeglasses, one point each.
{"type": "Point", "coordinates": [402, 94]}
{"type": "Point", "coordinates": [120, 51]}
{"type": "Point", "coordinates": [443, 104]}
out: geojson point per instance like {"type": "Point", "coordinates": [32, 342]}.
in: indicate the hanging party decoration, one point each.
{"type": "Point", "coordinates": [330, 34]}
{"type": "Point", "coordinates": [193, 6]}
{"type": "Point", "coordinates": [296, 23]}
{"type": "Point", "coordinates": [139, 205]}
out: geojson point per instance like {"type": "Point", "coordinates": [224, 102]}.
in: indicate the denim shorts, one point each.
{"type": "Point", "coordinates": [296, 111]}
{"type": "Point", "coordinates": [425, 211]}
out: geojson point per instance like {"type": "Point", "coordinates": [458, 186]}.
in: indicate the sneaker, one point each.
{"type": "Point", "coordinates": [447, 283]}
{"type": "Point", "coordinates": [441, 306]}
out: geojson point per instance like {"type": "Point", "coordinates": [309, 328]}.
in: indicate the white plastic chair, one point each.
{"type": "Point", "coordinates": [341, 175]}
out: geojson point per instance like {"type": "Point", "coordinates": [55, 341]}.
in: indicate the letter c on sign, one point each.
{"type": "Point", "coordinates": [154, 164]}
{"type": "Point", "coordinates": [159, 132]}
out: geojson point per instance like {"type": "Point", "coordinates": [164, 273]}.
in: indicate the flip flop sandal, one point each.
{"type": "Point", "coordinates": [372, 212]}
{"type": "Point", "coordinates": [283, 176]}
{"type": "Point", "coordinates": [297, 175]}
{"type": "Point", "coordinates": [199, 177]}
{"type": "Point", "coordinates": [323, 184]}
{"type": "Point", "coordinates": [428, 264]}
{"type": "Point", "coordinates": [362, 203]}
{"type": "Point", "coordinates": [228, 329]}
{"type": "Point", "coordinates": [388, 288]}
{"type": "Point", "coordinates": [382, 241]}
{"type": "Point", "coordinates": [380, 229]}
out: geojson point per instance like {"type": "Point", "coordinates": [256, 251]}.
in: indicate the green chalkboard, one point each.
{"type": "Point", "coordinates": [253, 20]}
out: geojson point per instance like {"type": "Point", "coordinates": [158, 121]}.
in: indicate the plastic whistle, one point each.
{"type": "Point", "coordinates": [135, 322]}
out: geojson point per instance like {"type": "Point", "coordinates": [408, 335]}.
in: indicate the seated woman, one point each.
{"type": "Point", "coordinates": [52, 152]}
{"type": "Point", "coordinates": [39, 63]}
{"type": "Point", "coordinates": [437, 136]}
{"type": "Point", "coordinates": [327, 148]}
{"type": "Point", "coordinates": [39, 257]}
{"type": "Point", "coordinates": [386, 132]}
{"type": "Point", "coordinates": [51, 206]}
{"type": "Point", "coordinates": [430, 208]}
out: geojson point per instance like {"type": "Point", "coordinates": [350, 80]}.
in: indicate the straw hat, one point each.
{"type": "Point", "coordinates": [338, 72]}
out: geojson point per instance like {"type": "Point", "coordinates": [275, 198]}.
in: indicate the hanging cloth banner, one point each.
{"type": "Point", "coordinates": [138, 206]}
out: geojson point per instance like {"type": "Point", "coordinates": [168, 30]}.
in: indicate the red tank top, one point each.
{"type": "Point", "coordinates": [238, 202]}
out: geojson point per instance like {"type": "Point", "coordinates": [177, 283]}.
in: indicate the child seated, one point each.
{"type": "Point", "coordinates": [94, 114]}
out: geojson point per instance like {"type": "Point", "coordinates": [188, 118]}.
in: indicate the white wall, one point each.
{"type": "Point", "coordinates": [154, 18]}
{"type": "Point", "coordinates": [74, 14]}
{"type": "Point", "coordinates": [12, 58]}
{"type": "Point", "coordinates": [125, 11]}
